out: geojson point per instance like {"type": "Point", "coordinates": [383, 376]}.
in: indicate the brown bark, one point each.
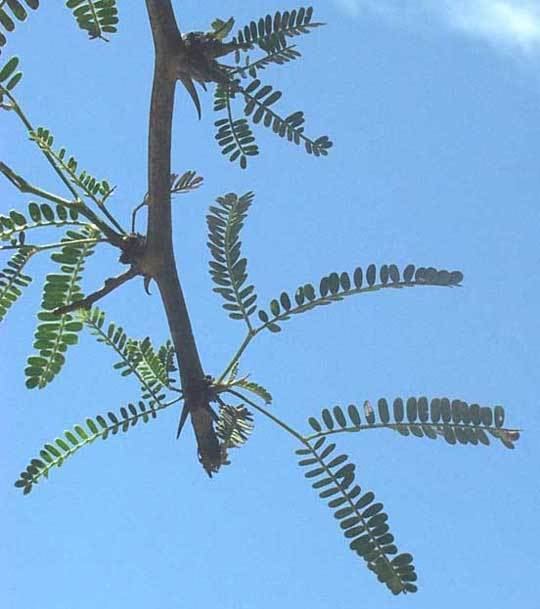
{"type": "Point", "coordinates": [158, 260]}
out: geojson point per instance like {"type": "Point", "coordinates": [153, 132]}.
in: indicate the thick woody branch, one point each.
{"type": "Point", "coordinates": [158, 260]}
{"type": "Point", "coordinates": [163, 23]}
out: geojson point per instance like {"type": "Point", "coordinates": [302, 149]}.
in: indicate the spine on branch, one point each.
{"type": "Point", "coordinates": [159, 261]}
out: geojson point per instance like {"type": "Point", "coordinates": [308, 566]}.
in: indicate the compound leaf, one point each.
{"type": "Point", "coordinates": [337, 286]}
{"type": "Point", "coordinates": [228, 269]}
{"type": "Point", "coordinates": [53, 454]}
{"type": "Point", "coordinates": [455, 421]}
{"type": "Point", "coordinates": [361, 518]}
{"type": "Point", "coordinates": [95, 17]}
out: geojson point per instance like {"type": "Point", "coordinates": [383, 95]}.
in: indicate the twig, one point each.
{"type": "Point", "coordinates": [110, 284]}
{"type": "Point", "coordinates": [49, 246]}
{"type": "Point", "coordinates": [25, 187]}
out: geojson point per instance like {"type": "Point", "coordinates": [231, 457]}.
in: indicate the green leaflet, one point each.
{"type": "Point", "coordinates": [98, 190]}
{"type": "Point", "coordinates": [151, 367]}
{"type": "Point", "coordinates": [12, 280]}
{"type": "Point", "coordinates": [235, 137]}
{"type": "Point", "coordinates": [278, 56]}
{"type": "Point", "coordinates": [42, 215]}
{"type": "Point", "coordinates": [95, 17]}
{"type": "Point", "coordinates": [337, 286]}
{"type": "Point", "coordinates": [234, 425]}
{"type": "Point", "coordinates": [53, 454]}
{"type": "Point", "coordinates": [271, 32]}
{"type": "Point", "coordinates": [258, 101]}
{"type": "Point", "coordinates": [227, 269]}
{"type": "Point", "coordinates": [361, 518]}
{"type": "Point", "coordinates": [252, 387]}
{"type": "Point", "coordinates": [11, 12]}
{"type": "Point", "coordinates": [167, 357]}
{"type": "Point", "coordinates": [453, 420]}
{"type": "Point", "coordinates": [187, 182]}
{"type": "Point", "coordinates": [56, 333]}
{"type": "Point", "coordinates": [221, 29]}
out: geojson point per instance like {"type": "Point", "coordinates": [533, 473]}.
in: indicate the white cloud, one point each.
{"type": "Point", "coordinates": [510, 24]}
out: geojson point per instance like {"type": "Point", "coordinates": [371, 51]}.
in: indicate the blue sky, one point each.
{"type": "Point", "coordinates": [434, 110]}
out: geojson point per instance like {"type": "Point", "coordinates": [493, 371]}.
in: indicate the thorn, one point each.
{"type": "Point", "coordinates": [190, 87]}
{"type": "Point", "coordinates": [181, 422]}
{"type": "Point", "coordinates": [147, 281]}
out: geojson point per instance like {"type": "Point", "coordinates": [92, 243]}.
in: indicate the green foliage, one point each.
{"type": "Point", "coordinates": [56, 332]}
{"type": "Point", "coordinates": [228, 269]}
{"type": "Point", "coordinates": [95, 17]}
{"type": "Point", "coordinates": [187, 182]}
{"type": "Point", "coordinates": [53, 454]}
{"type": "Point", "coordinates": [235, 137]}
{"type": "Point", "coordinates": [151, 367]}
{"type": "Point", "coordinates": [259, 100]}
{"type": "Point", "coordinates": [452, 420]}
{"type": "Point", "coordinates": [221, 29]}
{"type": "Point", "coordinates": [97, 190]}
{"type": "Point", "coordinates": [361, 518]}
{"type": "Point", "coordinates": [363, 521]}
{"type": "Point", "coordinates": [277, 56]}
{"type": "Point", "coordinates": [337, 286]}
{"type": "Point", "coordinates": [271, 33]}
{"type": "Point", "coordinates": [9, 77]}
{"type": "Point", "coordinates": [167, 355]}
{"type": "Point", "coordinates": [39, 215]}
{"type": "Point", "coordinates": [234, 425]}
{"type": "Point", "coordinates": [12, 279]}
{"type": "Point", "coordinates": [12, 11]}
{"type": "Point", "coordinates": [252, 387]}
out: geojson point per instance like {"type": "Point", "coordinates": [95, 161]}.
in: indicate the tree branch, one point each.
{"type": "Point", "coordinates": [163, 23]}
{"type": "Point", "coordinates": [158, 260]}
{"type": "Point", "coordinates": [110, 284]}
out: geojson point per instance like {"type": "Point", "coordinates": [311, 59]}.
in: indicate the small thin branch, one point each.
{"type": "Point", "coordinates": [19, 112]}
{"type": "Point", "coordinates": [49, 246]}
{"type": "Point", "coordinates": [111, 218]}
{"type": "Point", "coordinates": [192, 183]}
{"type": "Point", "coordinates": [100, 203]}
{"type": "Point", "coordinates": [136, 211]}
{"type": "Point", "coordinates": [243, 346]}
{"type": "Point", "coordinates": [110, 284]}
{"type": "Point", "coordinates": [53, 161]}
{"type": "Point", "coordinates": [26, 188]}
{"type": "Point", "coordinates": [268, 414]}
